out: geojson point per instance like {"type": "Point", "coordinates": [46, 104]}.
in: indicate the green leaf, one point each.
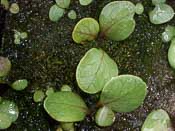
{"type": "Point", "coordinates": [63, 3]}
{"type": "Point", "coordinates": [14, 8]}
{"type": "Point", "coordinates": [124, 93]}
{"type": "Point", "coordinates": [65, 106]}
{"type": "Point", "coordinates": [72, 15]}
{"type": "Point", "coordinates": [66, 88]}
{"type": "Point", "coordinates": [85, 30]}
{"type": "Point", "coordinates": [56, 13]}
{"type": "Point", "coordinates": [104, 117]}
{"type": "Point", "coordinates": [38, 96]}
{"type": "Point", "coordinates": [116, 20]}
{"type": "Point", "coordinates": [162, 13]}
{"type": "Point", "coordinates": [85, 2]}
{"type": "Point", "coordinates": [168, 34]}
{"type": "Point", "coordinates": [49, 91]}
{"type": "Point", "coordinates": [95, 69]}
{"type": "Point", "coordinates": [5, 3]}
{"type": "Point", "coordinates": [171, 54]}
{"type": "Point", "coordinates": [5, 121]}
{"type": "Point", "coordinates": [139, 8]}
{"type": "Point", "coordinates": [19, 84]}
{"type": "Point", "coordinates": [67, 126]}
{"type": "Point", "coordinates": [157, 120]}
{"type": "Point", "coordinates": [5, 66]}
{"type": "Point", "coordinates": [9, 108]}
{"type": "Point", "coordinates": [156, 2]}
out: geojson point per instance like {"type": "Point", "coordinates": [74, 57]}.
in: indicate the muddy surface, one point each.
{"type": "Point", "coordinates": [48, 58]}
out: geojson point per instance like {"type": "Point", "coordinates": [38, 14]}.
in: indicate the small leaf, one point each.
{"type": "Point", "coordinates": [65, 106]}
{"type": "Point", "coordinates": [85, 2]}
{"type": "Point", "coordinates": [157, 120]}
{"type": "Point", "coordinates": [85, 30]}
{"type": "Point", "coordinates": [23, 35]}
{"type": "Point", "coordinates": [19, 84]}
{"type": "Point", "coordinates": [171, 54]}
{"type": "Point", "coordinates": [168, 34]}
{"type": "Point", "coordinates": [49, 91]}
{"type": "Point", "coordinates": [56, 13]}
{"type": "Point", "coordinates": [66, 88]}
{"type": "Point", "coordinates": [95, 69]}
{"type": "Point", "coordinates": [14, 8]}
{"type": "Point", "coordinates": [9, 108]}
{"type": "Point", "coordinates": [5, 3]}
{"type": "Point", "coordinates": [5, 121]}
{"type": "Point", "coordinates": [162, 13]}
{"type": "Point", "coordinates": [116, 20]}
{"type": "Point", "coordinates": [38, 96]}
{"type": "Point", "coordinates": [124, 93]}
{"type": "Point", "coordinates": [67, 126]}
{"type": "Point", "coordinates": [72, 15]}
{"type": "Point", "coordinates": [63, 3]}
{"type": "Point", "coordinates": [104, 117]}
{"type": "Point", "coordinates": [5, 66]}
{"type": "Point", "coordinates": [156, 2]}
{"type": "Point", "coordinates": [139, 8]}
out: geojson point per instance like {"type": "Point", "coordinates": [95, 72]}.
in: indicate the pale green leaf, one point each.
{"type": "Point", "coordinates": [67, 126]}
{"type": "Point", "coordinates": [9, 108]}
{"type": "Point", "coordinates": [5, 121]}
{"type": "Point", "coordinates": [5, 3]}
{"type": "Point", "coordinates": [139, 8]}
{"type": "Point", "coordinates": [156, 2]}
{"type": "Point", "coordinates": [85, 30]}
{"type": "Point", "coordinates": [63, 3]}
{"type": "Point", "coordinates": [157, 120]}
{"type": "Point", "coordinates": [65, 106]}
{"type": "Point", "coordinates": [38, 96]}
{"type": "Point", "coordinates": [116, 20]}
{"type": "Point", "coordinates": [124, 93]}
{"type": "Point", "coordinates": [56, 13]}
{"type": "Point", "coordinates": [104, 117]}
{"type": "Point", "coordinates": [14, 8]}
{"type": "Point", "coordinates": [49, 91]}
{"type": "Point", "coordinates": [85, 2]}
{"type": "Point", "coordinates": [95, 69]}
{"type": "Point", "coordinates": [171, 54]}
{"type": "Point", "coordinates": [162, 13]}
{"type": "Point", "coordinates": [66, 88]}
{"type": "Point", "coordinates": [168, 34]}
{"type": "Point", "coordinates": [72, 15]}
{"type": "Point", "coordinates": [5, 66]}
{"type": "Point", "coordinates": [19, 84]}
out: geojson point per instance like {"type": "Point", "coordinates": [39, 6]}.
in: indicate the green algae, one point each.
{"type": "Point", "coordinates": [48, 58]}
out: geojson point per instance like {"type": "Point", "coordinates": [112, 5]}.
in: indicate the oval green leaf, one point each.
{"type": "Point", "coordinates": [5, 121]}
{"type": "Point", "coordinates": [116, 20]}
{"type": "Point", "coordinates": [124, 93]}
{"type": "Point", "coordinates": [171, 54]}
{"type": "Point", "coordinates": [95, 69]}
{"type": "Point", "coordinates": [85, 2]}
{"type": "Point", "coordinates": [72, 14]}
{"type": "Point", "coordinates": [5, 3]}
{"type": "Point", "coordinates": [104, 117]}
{"type": "Point", "coordinates": [157, 120]}
{"type": "Point", "coordinates": [19, 84]}
{"type": "Point", "coordinates": [56, 13]}
{"type": "Point", "coordinates": [156, 2]}
{"type": "Point", "coordinates": [168, 34]}
{"type": "Point", "coordinates": [162, 13]}
{"type": "Point", "coordinates": [38, 96]}
{"type": "Point", "coordinates": [66, 88]}
{"type": "Point", "coordinates": [65, 106]}
{"type": "Point", "coordinates": [9, 108]}
{"type": "Point", "coordinates": [5, 66]}
{"type": "Point", "coordinates": [85, 30]}
{"type": "Point", "coordinates": [14, 8]}
{"type": "Point", "coordinates": [63, 3]}
{"type": "Point", "coordinates": [49, 91]}
{"type": "Point", "coordinates": [139, 8]}
{"type": "Point", "coordinates": [67, 126]}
